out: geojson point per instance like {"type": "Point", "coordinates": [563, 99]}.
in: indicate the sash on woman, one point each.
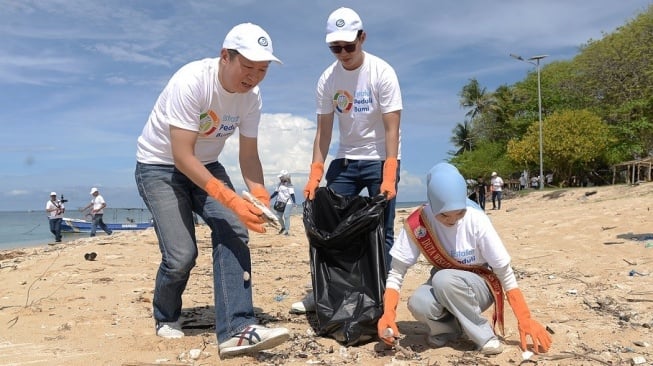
{"type": "Point", "coordinates": [420, 231]}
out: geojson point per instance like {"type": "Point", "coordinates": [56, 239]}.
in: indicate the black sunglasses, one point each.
{"type": "Point", "coordinates": [349, 48]}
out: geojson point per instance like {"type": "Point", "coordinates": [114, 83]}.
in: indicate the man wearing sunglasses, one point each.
{"type": "Point", "coordinates": [363, 91]}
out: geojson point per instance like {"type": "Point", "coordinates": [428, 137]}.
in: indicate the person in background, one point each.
{"type": "Point", "coordinates": [523, 181]}
{"type": "Point", "coordinates": [496, 185]}
{"type": "Point", "coordinates": [285, 195]}
{"type": "Point", "coordinates": [97, 206]}
{"type": "Point", "coordinates": [363, 92]}
{"type": "Point", "coordinates": [55, 209]}
{"type": "Point", "coordinates": [471, 271]}
{"type": "Point", "coordinates": [481, 192]}
{"type": "Point", "coordinates": [178, 172]}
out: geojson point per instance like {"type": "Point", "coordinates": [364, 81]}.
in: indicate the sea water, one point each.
{"type": "Point", "coordinates": [23, 229]}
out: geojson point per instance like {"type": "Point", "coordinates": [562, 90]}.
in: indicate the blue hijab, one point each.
{"type": "Point", "coordinates": [446, 189]}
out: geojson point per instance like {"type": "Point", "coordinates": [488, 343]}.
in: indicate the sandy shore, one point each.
{"type": "Point", "coordinates": [583, 258]}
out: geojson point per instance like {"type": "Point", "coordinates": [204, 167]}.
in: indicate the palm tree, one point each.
{"type": "Point", "coordinates": [462, 137]}
{"type": "Point", "coordinates": [475, 97]}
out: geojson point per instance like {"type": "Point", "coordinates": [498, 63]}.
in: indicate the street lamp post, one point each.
{"type": "Point", "coordinates": [535, 60]}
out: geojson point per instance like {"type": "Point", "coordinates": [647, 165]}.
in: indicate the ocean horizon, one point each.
{"type": "Point", "coordinates": [30, 228]}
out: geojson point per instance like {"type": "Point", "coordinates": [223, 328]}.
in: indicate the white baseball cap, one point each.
{"type": "Point", "coordinates": [494, 174]}
{"type": "Point", "coordinates": [343, 25]}
{"type": "Point", "coordinates": [283, 173]}
{"type": "Point", "coordinates": [93, 190]}
{"type": "Point", "coordinates": [251, 41]}
{"type": "Point", "coordinates": [53, 193]}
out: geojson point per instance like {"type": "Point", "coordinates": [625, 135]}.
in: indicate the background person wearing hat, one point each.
{"type": "Point", "coordinates": [55, 209]}
{"type": "Point", "coordinates": [471, 270]}
{"type": "Point", "coordinates": [97, 206]}
{"type": "Point", "coordinates": [362, 90]}
{"type": "Point", "coordinates": [285, 195]}
{"type": "Point", "coordinates": [178, 173]}
{"type": "Point", "coordinates": [496, 186]}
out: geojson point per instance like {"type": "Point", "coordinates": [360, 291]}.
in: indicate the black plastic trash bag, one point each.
{"type": "Point", "coordinates": [348, 270]}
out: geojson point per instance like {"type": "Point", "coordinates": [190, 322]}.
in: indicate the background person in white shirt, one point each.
{"type": "Point", "coordinates": [496, 185]}
{"type": "Point", "coordinates": [55, 209]}
{"type": "Point", "coordinates": [97, 206]}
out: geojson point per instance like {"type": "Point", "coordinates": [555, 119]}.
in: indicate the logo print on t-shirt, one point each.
{"type": "Point", "coordinates": [343, 101]}
{"type": "Point", "coordinates": [209, 122]}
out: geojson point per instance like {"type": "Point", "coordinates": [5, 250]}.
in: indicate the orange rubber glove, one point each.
{"type": "Point", "coordinates": [246, 212]}
{"type": "Point", "coordinates": [526, 325]}
{"type": "Point", "coordinates": [262, 195]}
{"type": "Point", "coordinates": [314, 177]}
{"type": "Point", "coordinates": [388, 185]}
{"type": "Point", "coordinates": [390, 301]}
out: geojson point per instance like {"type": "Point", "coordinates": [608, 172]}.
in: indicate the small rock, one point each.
{"type": "Point", "coordinates": [194, 353]}
{"type": "Point", "coordinates": [639, 360]}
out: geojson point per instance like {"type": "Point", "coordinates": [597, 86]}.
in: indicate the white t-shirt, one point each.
{"type": "Point", "coordinates": [195, 100]}
{"type": "Point", "coordinates": [359, 98]}
{"type": "Point", "coordinates": [497, 184]}
{"type": "Point", "coordinates": [97, 202]}
{"type": "Point", "coordinates": [56, 214]}
{"type": "Point", "coordinates": [471, 241]}
{"type": "Point", "coordinates": [284, 193]}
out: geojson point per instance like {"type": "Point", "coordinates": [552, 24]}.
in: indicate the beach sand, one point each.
{"type": "Point", "coordinates": [576, 252]}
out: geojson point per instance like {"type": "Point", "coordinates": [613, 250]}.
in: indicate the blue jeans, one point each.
{"type": "Point", "coordinates": [284, 217]}
{"type": "Point", "coordinates": [496, 199]}
{"type": "Point", "coordinates": [349, 177]}
{"type": "Point", "coordinates": [97, 221]}
{"type": "Point", "coordinates": [172, 198]}
{"type": "Point", "coordinates": [55, 228]}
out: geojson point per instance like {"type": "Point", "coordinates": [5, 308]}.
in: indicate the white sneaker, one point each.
{"type": "Point", "coordinates": [254, 338]}
{"type": "Point", "coordinates": [307, 305]}
{"type": "Point", "coordinates": [492, 347]}
{"type": "Point", "coordinates": [169, 330]}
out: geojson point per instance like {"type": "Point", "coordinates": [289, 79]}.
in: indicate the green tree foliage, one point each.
{"type": "Point", "coordinates": [572, 140]}
{"type": "Point", "coordinates": [610, 79]}
{"type": "Point", "coordinates": [462, 138]}
{"type": "Point", "coordinates": [485, 158]}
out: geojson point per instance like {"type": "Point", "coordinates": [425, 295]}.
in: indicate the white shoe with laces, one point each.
{"type": "Point", "coordinates": [252, 339]}
{"type": "Point", "coordinates": [170, 330]}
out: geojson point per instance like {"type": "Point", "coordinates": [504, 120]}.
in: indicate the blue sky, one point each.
{"type": "Point", "coordinates": [79, 77]}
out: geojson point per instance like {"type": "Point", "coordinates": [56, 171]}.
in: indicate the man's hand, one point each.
{"type": "Point", "coordinates": [389, 183]}
{"type": "Point", "coordinates": [314, 177]}
{"type": "Point", "coordinates": [246, 212]}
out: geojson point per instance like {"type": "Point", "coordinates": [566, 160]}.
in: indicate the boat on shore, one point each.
{"type": "Point", "coordinates": [69, 225]}
{"type": "Point", "coordinates": [116, 219]}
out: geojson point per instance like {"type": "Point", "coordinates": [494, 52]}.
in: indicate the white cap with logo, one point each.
{"type": "Point", "coordinates": [343, 25]}
{"type": "Point", "coordinates": [251, 41]}
{"type": "Point", "coordinates": [93, 190]}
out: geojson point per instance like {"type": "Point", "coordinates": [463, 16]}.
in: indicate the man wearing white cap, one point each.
{"type": "Point", "coordinates": [178, 173]}
{"type": "Point", "coordinates": [97, 206]}
{"type": "Point", "coordinates": [55, 210]}
{"type": "Point", "coordinates": [496, 186]}
{"type": "Point", "coordinates": [362, 90]}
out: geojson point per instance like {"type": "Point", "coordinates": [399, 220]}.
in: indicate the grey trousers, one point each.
{"type": "Point", "coordinates": [451, 303]}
